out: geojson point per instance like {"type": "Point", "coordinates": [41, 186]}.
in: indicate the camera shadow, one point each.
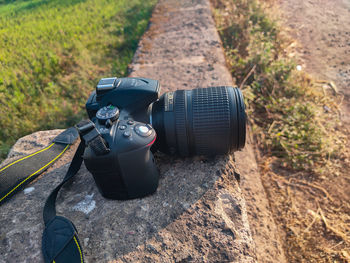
{"type": "Point", "coordinates": [114, 228]}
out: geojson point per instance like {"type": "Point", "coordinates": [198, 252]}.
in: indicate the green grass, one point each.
{"type": "Point", "coordinates": [295, 124]}
{"type": "Point", "coordinates": [285, 106]}
{"type": "Point", "coordinates": [52, 54]}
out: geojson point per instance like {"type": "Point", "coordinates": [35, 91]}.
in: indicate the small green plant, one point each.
{"type": "Point", "coordinates": [295, 123]}
{"type": "Point", "coordinates": [52, 53]}
{"type": "Point", "coordinates": [285, 108]}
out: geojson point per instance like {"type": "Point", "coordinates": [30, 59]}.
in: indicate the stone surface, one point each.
{"type": "Point", "coordinates": [198, 213]}
{"type": "Point", "coordinates": [263, 227]}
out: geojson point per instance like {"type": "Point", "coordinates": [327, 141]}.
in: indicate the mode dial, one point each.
{"type": "Point", "coordinates": [109, 112]}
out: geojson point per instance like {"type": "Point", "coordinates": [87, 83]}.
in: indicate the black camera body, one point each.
{"type": "Point", "coordinates": [129, 121]}
{"type": "Point", "coordinates": [133, 96]}
{"type": "Point", "coordinates": [118, 108]}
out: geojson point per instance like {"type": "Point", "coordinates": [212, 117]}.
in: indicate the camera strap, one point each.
{"type": "Point", "coordinates": [19, 173]}
{"type": "Point", "coordinates": [60, 243]}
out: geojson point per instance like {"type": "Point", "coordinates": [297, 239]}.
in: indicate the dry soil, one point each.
{"type": "Point", "coordinates": [322, 31]}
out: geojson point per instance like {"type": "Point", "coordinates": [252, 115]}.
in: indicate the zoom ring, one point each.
{"type": "Point", "coordinates": [180, 122]}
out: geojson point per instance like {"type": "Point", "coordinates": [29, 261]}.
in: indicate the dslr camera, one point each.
{"type": "Point", "coordinates": [129, 122]}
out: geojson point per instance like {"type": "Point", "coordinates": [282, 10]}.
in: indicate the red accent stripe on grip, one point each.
{"type": "Point", "coordinates": [155, 137]}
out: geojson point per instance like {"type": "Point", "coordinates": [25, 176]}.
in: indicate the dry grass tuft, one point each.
{"type": "Point", "coordinates": [295, 122]}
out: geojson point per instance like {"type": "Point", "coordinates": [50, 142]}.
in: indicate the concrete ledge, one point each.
{"type": "Point", "coordinates": [198, 213]}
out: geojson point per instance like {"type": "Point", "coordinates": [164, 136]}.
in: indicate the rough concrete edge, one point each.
{"type": "Point", "coordinates": [266, 237]}
{"type": "Point", "coordinates": [264, 230]}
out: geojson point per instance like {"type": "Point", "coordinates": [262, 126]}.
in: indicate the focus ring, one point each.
{"type": "Point", "coordinates": [211, 120]}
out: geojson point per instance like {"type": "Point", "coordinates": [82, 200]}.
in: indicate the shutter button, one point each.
{"type": "Point", "coordinates": [143, 130]}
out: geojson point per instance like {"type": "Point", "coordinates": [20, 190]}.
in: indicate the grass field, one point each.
{"type": "Point", "coordinates": [52, 53]}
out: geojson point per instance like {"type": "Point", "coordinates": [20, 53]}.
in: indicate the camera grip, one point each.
{"type": "Point", "coordinates": [139, 172]}
{"type": "Point", "coordinates": [126, 175]}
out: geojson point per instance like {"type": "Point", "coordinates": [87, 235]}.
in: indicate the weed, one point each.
{"type": "Point", "coordinates": [296, 126]}
{"type": "Point", "coordinates": [285, 107]}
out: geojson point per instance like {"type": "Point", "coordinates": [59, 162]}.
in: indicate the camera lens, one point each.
{"type": "Point", "coordinates": [204, 121]}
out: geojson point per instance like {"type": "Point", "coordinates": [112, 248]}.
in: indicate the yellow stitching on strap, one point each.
{"type": "Point", "coordinates": [35, 172]}
{"type": "Point", "coordinates": [81, 255]}
{"type": "Point", "coordinates": [27, 157]}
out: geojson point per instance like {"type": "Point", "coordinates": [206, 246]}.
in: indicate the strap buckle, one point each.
{"type": "Point", "coordinates": [87, 130]}
{"type": "Point", "coordinates": [85, 126]}
{"type": "Point", "coordinates": [92, 137]}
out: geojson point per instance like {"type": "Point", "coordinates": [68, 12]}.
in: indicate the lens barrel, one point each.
{"type": "Point", "coordinates": [203, 121]}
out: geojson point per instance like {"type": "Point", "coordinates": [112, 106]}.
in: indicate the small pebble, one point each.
{"type": "Point", "coordinates": [28, 190]}
{"type": "Point", "coordinates": [151, 248]}
{"type": "Point", "coordinates": [86, 241]}
{"type": "Point", "coordinates": [186, 205]}
{"type": "Point", "coordinates": [326, 109]}
{"type": "Point", "coordinates": [86, 205]}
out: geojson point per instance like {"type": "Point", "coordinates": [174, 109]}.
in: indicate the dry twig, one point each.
{"type": "Point", "coordinates": [301, 184]}
{"type": "Point", "coordinates": [246, 77]}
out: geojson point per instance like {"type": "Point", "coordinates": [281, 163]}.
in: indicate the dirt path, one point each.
{"type": "Point", "coordinates": [323, 29]}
